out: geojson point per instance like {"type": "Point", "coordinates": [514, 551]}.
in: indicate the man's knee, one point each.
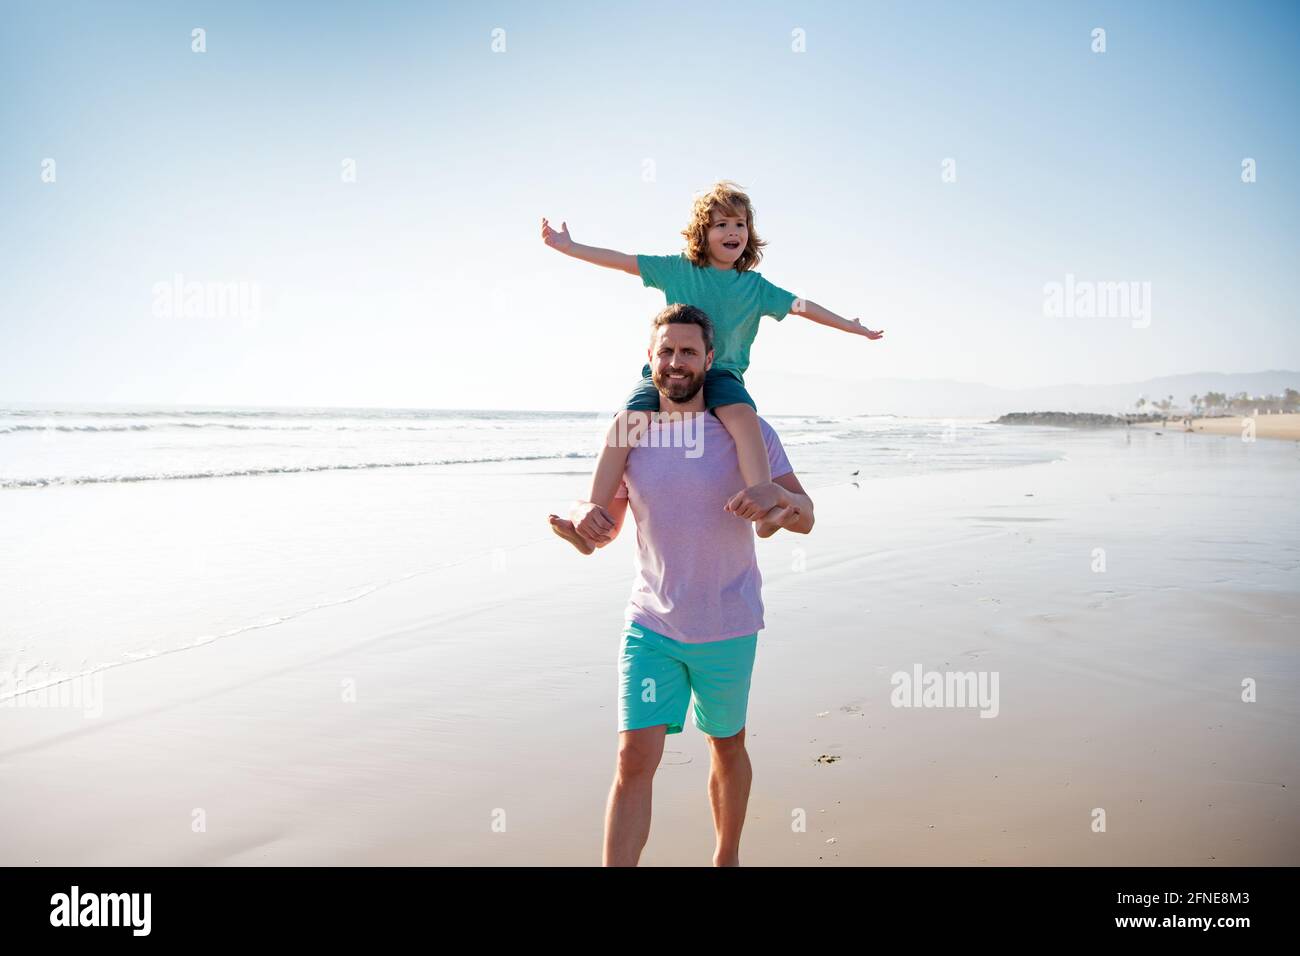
{"type": "Point", "coordinates": [639, 751]}
{"type": "Point", "coordinates": [727, 747]}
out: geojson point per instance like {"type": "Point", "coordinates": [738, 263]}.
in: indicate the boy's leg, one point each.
{"type": "Point", "coordinates": [588, 535]}
{"type": "Point", "coordinates": [726, 397]}
{"type": "Point", "coordinates": [627, 428]}
{"type": "Point", "coordinates": [741, 422]}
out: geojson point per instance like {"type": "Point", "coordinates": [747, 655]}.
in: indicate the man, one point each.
{"type": "Point", "coordinates": [696, 605]}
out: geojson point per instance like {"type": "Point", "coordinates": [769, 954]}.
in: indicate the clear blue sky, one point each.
{"type": "Point", "coordinates": [424, 283]}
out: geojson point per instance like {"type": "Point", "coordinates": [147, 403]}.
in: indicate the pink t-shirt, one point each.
{"type": "Point", "coordinates": [697, 577]}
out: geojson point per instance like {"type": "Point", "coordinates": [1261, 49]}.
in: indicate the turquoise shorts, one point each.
{"type": "Point", "coordinates": [657, 677]}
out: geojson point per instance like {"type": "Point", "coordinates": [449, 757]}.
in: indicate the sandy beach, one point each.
{"type": "Point", "coordinates": [466, 714]}
{"type": "Point", "coordinates": [1286, 426]}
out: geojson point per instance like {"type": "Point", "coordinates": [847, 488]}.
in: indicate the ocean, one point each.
{"type": "Point", "coordinates": [133, 532]}
{"type": "Point", "coordinates": [42, 447]}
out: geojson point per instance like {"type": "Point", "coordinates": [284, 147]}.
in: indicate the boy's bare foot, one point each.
{"type": "Point", "coordinates": [564, 528]}
{"type": "Point", "coordinates": [774, 521]}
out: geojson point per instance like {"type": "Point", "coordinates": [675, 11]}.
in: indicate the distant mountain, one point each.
{"type": "Point", "coordinates": [942, 398]}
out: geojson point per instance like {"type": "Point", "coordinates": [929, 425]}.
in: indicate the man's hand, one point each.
{"type": "Point", "coordinates": [753, 503]}
{"type": "Point", "coordinates": [560, 240]}
{"type": "Point", "coordinates": [794, 512]}
{"type": "Point", "coordinates": [776, 519]}
{"type": "Point", "coordinates": [592, 521]}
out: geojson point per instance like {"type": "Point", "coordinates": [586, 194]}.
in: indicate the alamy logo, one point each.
{"type": "Point", "coordinates": [1085, 299]}
{"type": "Point", "coordinates": [665, 430]}
{"type": "Point", "coordinates": [182, 299]}
{"type": "Point", "coordinates": [36, 686]}
{"type": "Point", "coordinates": [946, 689]}
{"type": "Point", "coordinates": [102, 909]}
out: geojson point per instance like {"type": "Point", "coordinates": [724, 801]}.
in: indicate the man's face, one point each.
{"type": "Point", "coordinates": [678, 360]}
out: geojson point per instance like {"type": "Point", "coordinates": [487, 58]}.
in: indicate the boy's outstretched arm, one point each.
{"type": "Point", "coordinates": [811, 310]}
{"type": "Point", "coordinates": [609, 258]}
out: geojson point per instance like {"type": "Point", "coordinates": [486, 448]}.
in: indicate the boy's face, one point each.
{"type": "Point", "coordinates": [728, 235]}
{"type": "Point", "coordinates": [678, 360]}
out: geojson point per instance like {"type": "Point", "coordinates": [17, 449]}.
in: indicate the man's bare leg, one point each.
{"type": "Point", "coordinates": [625, 431]}
{"type": "Point", "coordinates": [627, 815]}
{"type": "Point", "coordinates": [730, 775]}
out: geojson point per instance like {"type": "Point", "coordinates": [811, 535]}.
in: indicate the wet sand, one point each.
{"type": "Point", "coordinates": [468, 716]}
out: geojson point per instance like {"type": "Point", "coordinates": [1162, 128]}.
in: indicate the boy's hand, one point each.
{"type": "Point", "coordinates": [811, 310]}
{"type": "Point", "coordinates": [866, 331]}
{"type": "Point", "coordinates": [561, 240]}
{"type": "Point", "coordinates": [753, 503]}
{"type": "Point", "coordinates": [592, 521]}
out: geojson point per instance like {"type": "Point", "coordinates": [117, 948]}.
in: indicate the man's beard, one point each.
{"type": "Point", "coordinates": [678, 390]}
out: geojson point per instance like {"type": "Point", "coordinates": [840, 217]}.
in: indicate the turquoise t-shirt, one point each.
{"type": "Point", "coordinates": [734, 302]}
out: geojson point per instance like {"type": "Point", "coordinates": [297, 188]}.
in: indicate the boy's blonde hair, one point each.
{"type": "Point", "coordinates": [728, 198]}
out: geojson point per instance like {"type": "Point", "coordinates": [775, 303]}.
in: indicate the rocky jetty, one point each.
{"type": "Point", "coordinates": [1073, 419]}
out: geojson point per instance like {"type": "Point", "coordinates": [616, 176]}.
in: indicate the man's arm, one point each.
{"type": "Point", "coordinates": [811, 310]}
{"type": "Point", "coordinates": [796, 516]}
{"type": "Point", "coordinates": [617, 511]}
{"type": "Point", "coordinates": [609, 258]}
{"type": "Point", "coordinates": [793, 510]}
